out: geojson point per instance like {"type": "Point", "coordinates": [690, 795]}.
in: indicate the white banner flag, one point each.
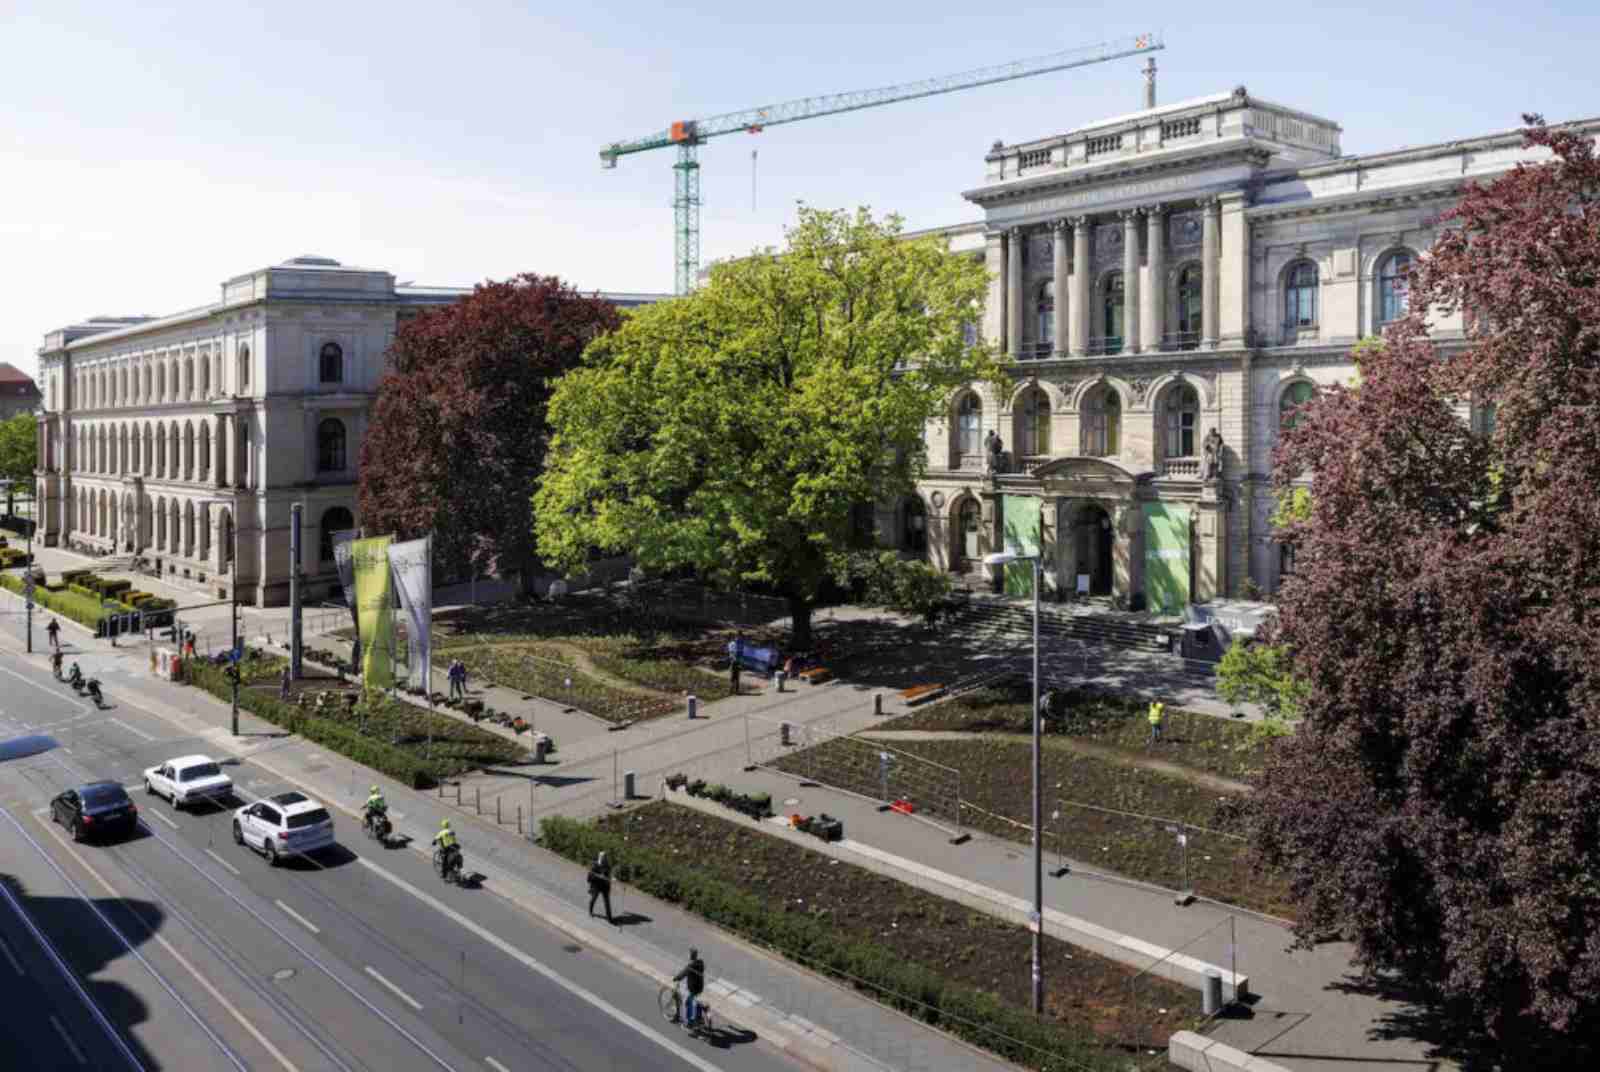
{"type": "Point", "coordinates": [412, 565]}
{"type": "Point", "coordinates": [347, 569]}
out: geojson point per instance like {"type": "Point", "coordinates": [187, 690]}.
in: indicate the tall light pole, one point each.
{"type": "Point", "coordinates": [1003, 558]}
{"type": "Point", "coordinates": [233, 603]}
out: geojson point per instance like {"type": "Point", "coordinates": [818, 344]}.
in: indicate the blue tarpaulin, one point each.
{"type": "Point", "coordinates": [759, 659]}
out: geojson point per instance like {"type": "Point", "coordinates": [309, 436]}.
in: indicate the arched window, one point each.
{"type": "Point", "coordinates": [1295, 395]}
{"type": "Point", "coordinates": [1103, 422]}
{"type": "Point", "coordinates": [1188, 321]}
{"type": "Point", "coordinates": [205, 375]}
{"type": "Point", "coordinates": [244, 369]}
{"type": "Point", "coordinates": [1392, 286]}
{"type": "Point", "coordinates": [1046, 309]}
{"type": "Point", "coordinates": [969, 424]}
{"type": "Point", "coordinates": [187, 391]}
{"type": "Point", "coordinates": [227, 538]}
{"type": "Point", "coordinates": [188, 451]}
{"type": "Point", "coordinates": [1300, 296]}
{"type": "Point", "coordinates": [204, 534]}
{"type": "Point", "coordinates": [1111, 308]}
{"type": "Point", "coordinates": [334, 519]}
{"type": "Point", "coordinates": [1033, 423]}
{"type": "Point", "coordinates": [330, 446]}
{"type": "Point", "coordinates": [203, 461]}
{"type": "Point", "coordinates": [175, 457]}
{"type": "Point", "coordinates": [332, 363]}
{"type": "Point", "coordinates": [971, 525]}
{"type": "Point", "coordinates": [1181, 418]}
{"type": "Point", "coordinates": [914, 519]}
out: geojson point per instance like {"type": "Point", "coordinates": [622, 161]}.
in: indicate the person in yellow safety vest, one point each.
{"type": "Point", "coordinates": [445, 839]}
{"type": "Point", "coordinates": [1158, 711]}
{"type": "Point", "coordinates": [376, 805]}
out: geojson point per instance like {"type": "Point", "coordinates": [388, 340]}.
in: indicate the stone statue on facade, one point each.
{"type": "Point", "coordinates": [1213, 460]}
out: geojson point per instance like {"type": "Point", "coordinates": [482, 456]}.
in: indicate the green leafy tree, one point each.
{"type": "Point", "coordinates": [19, 454]}
{"type": "Point", "coordinates": [732, 431]}
{"type": "Point", "coordinates": [909, 586]}
{"type": "Point", "coordinates": [1262, 674]}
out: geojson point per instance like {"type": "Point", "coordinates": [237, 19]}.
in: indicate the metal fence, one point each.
{"type": "Point", "coordinates": [859, 766]}
{"type": "Point", "coordinates": [1217, 945]}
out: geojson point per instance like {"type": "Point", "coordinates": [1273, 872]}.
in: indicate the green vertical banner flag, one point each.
{"type": "Point", "coordinates": [374, 596]}
{"type": "Point", "coordinates": [1166, 557]}
{"type": "Point", "coordinates": [1022, 527]}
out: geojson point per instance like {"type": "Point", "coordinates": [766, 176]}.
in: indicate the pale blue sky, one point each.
{"type": "Point", "coordinates": [149, 150]}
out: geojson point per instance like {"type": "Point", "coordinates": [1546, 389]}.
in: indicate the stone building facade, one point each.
{"type": "Point", "coordinates": [171, 438]}
{"type": "Point", "coordinates": [1165, 287]}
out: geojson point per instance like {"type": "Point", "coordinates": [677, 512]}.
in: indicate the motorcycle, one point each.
{"type": "Point", "coordinates": [448, 864]}
{"type": "Point", "coordinates": [377, 825]}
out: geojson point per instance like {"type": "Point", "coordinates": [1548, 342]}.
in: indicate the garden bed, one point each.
{"type": "Point", "coordinates": [1203, 742]}
{"type": "Point", "coordinates": [997, 798]}
{"type": "Point", "coordinates": [405, 741]}
{"type": "Point", "coordinates": [536, 672]}
{"type": "Point", "coordinates": [966, 970]}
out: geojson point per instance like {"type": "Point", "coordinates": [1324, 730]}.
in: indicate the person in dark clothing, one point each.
{"type": "Point", "coordinates": [693, 976]}
{"type": "Point", "coordinates": [53, 630]}
{"type": "Point", "coordinates": [600, 884]}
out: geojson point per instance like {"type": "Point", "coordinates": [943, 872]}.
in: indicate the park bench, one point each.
{"type": "Point", "coordinates": [921, 694]}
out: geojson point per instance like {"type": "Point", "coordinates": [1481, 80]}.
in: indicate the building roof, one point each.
{"type": "Point", "coordinates": [10, 373]}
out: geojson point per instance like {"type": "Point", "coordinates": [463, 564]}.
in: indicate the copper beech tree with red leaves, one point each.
{"type": "Point", "coordinates": [458, 432]}
{"type": "Point", "coordinates": [1439, 805]}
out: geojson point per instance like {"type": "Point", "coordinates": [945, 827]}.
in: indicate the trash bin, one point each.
{"type": "Point", "coordinates": [694, 704]}
{"type": "Point", "coordinates": [541, 747]}
{"type": "Point", "coordinates": [780, 677]}
{"type": "Point", "coordinates": [1211, 996]}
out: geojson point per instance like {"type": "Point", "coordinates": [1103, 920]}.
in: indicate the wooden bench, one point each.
{"type": "Point", "coordinates": [816, 675]}
{"type": "Point", "coordinates": [921, 694]}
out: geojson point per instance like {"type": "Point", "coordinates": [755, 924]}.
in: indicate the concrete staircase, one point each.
{"type": "Point", "coordinates": [991, 620]}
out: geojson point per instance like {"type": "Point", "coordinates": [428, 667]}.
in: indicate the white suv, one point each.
{"type": "Point", "coordinates": [289, 823]}
{"type": "Point", "coordinates": [188, 779]}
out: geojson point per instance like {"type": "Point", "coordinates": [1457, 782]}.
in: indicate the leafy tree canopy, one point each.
{"type": "Point", "coordinates": [1437, 804]}
{"type": "Point", "coordinates": [732, 431]}
{"type": "Point", "coordinates": [19, 451]}
{"type": "Point", "coordinates": [458, 430]}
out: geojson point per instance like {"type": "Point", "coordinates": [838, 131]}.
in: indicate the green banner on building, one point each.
{"type": "Point", "coordinates": [1166, 557]}
{"type": "Point", "coordinates": [1022, 531]}
{"type": "Point", "coordinates": [374, 597]}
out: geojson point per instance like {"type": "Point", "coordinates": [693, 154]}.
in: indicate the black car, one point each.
{"type": "Point", "coordinates": [94, 809]}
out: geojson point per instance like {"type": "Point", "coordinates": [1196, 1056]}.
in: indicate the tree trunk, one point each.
{"type": "Point", "coordinates": [800, 616]}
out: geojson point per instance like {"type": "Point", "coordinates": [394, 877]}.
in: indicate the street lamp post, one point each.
{"type": "Point", "coordinates": [1003, 558]}
{"type": "Point", "coordinates": [233, 606]}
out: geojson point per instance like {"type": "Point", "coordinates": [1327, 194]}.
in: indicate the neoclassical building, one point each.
{"type": "Point", "coordinates": [170, 437]}
{"type": "Point", "coordinates": [1165, 286]}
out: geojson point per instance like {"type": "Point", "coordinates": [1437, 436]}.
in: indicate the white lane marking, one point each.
{"type": "Point", "coordinates": [496, 1065]}
{"type": "Point", "coordinates": [79, 704]}
{"type": "Point", "coordinates": [172, 992]}
{"type": "Point", "coordinates": [159, 815]}
{"type": "Point", "coordinates": [683, 1054]}
{"type": "Point", "coordinates": [401, 994]}
{"type": "Point", "coordinates": [130, 729]}
{"type": "Point", "coordinates": [298, 918]}
{"type": "Point", "coordinates": [12, 957]}
{"type": "Point", "coordinates": [77, 1054]}
{"type": "Point", "coordinates": [223, 862]}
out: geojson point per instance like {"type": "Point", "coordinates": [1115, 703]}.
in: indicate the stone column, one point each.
{"type": "Point", "coordinates": [1210, 269]}
{"type": "Point", "coordinates": [1014, 240]}
{"type": "Point", "coordinates": [240, 457]}
{"type": "Point", "coordinates": [1080, 286]}
{"type": "Point", "coordinates": [1058, 283]}
{"type": "Point", "coordinates": [1153, 309]}
{"type": "Point", "coordinates": [1233, 270]}
{"type": "Point", "coordinates": [1130, 281]}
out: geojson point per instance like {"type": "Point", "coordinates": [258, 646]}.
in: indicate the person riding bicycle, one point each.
{"type": "Point", "coordinates": [93, 688]}
{"type": "Point", "coordinates": [376, 806]}
{"type": "Point", "coordinates": [55, 664]}
{"type": "Point", "coordinates": [75, 676]}
{"type": "Point", "coordinates": [693, 976]}
{"type": "Point", "coordinates": [445, 841]}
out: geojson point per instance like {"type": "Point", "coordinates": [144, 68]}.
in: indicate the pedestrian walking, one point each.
{"type": "Point", "coordinates": [53, 630]}
{"type": "Point", "coordinates": [283, 684]}
{"type": "Point", "coordinates": [454, 675]}
{"type": "Point", "coordinates": [1158, 711]}
{"type": "Point", "coordinates": [461, 673]}
{"type": "Point", "coordinates": [733, 675]}
{"type": "Point", "coordinates": [600, 884]}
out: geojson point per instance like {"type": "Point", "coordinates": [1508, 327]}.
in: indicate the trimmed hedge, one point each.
{"type": "Point", "coordinates": [85, 610]}
{"type": "Point", "coordinates": [394, 762]}
{"type": "Point", "coordinates": [978, 1017]}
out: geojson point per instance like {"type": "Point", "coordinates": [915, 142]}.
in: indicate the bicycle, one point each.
{"type": "Point", "coordinates": [671, 1002]}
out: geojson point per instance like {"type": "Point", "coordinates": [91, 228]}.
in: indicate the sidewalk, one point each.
{"type": "Point", "coordinates": [826, 1025]}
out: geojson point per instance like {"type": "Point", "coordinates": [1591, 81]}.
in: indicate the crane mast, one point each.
{"type": "Point", "coordinates": [688, 134]}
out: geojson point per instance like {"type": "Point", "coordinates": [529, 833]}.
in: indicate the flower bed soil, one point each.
{"type": "Point", "coordinates": [1204, 742]}
{"type": "Point", "coordinates": [1083, 989]}
{"type": "Point", "coordinates": [997, 798]}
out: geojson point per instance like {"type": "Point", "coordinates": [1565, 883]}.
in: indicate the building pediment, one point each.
{"type": "Point", "coordinates": [1086, 470]}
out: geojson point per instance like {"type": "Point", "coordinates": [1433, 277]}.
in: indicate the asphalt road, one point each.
{"type": "Point", "coordinates": [178, 949]}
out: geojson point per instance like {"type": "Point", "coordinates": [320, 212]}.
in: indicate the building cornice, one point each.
{"type": "Point", "coordinates": [1229, 151]}
{"type": "Point", "coordinates": [1382, 197]}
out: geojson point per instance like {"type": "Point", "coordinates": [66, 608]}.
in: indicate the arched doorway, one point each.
{"type": "Point", "coordinates": [914, 525]}
{"type": "Point", "coordinates": [1092, 537]}
{"type": "Point", "coordinates": [969, 524]}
